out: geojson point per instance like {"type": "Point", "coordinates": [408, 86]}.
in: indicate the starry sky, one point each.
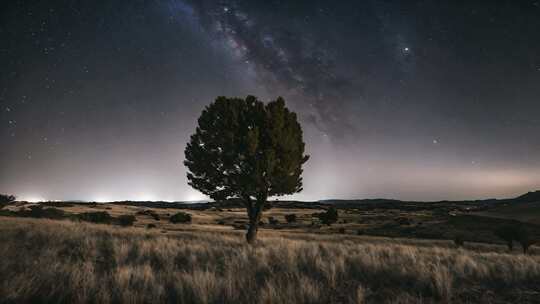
{"type": "Point", "coordinates": [416, 100]}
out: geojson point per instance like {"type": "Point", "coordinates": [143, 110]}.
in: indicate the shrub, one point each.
{"type": "Point", "coordinates": [359, 232]}
{"type": "Point", "coordinates": [459, 240]}
{"type": "Point", "coordinates": [517, 232]}
{"type": "Point", "coordinates": [126, 220]}
{"type": "Point", "coordinates": [329, 217]}
{"type": "Point", "coordinates": [57, 204]}
{"type": "Point", "coordinates": [151, 213]}
{"type": "Point", "coordinates": [6, 198]}
{"type": "Point", "coordinates": [150, 226]}
{"type": "Point", "coordinates": [507, 234]}
{"type": "Point", "coordinates": [524, 238]}
{"type": "Point", "coordinates": [38, 211]}
{"type": "Point", "coordinates": [403, 221]}
{"type": "Point", "coordinates": [102, 217]}
{"type": "Point", "coordinates": [290, 218]}
{"type": "Point", "coordinates": [180, 217]}
{"type": "Point", "coordinates": [272, 220]}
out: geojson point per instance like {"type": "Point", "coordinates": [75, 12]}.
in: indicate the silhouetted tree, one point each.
{"type": "Point", "coordinates": [329, 217]}
{"type": "Point", "coordinates": [459, 240]}
{"type": "Point", "coordinates": [245, 149]}
{"type": "Point", "coordinates": [6, 199]}
{"type": "Point", "coordinates": [507, 234]}
{"type": "Point", "coordinates": [524, 238]}
{"type": "Point", "coordinates": [518, 233]}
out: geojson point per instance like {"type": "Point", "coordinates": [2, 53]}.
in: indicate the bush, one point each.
{"type": "Point", "coordinates": [272, 220]}
{"type": "Point", "coordinates": [329, 217]}
{"type": "Point", "coordinates": [6, 198]}
{"type": "Point", "coordinates": [290, 218]}
{"type": "Point", "coordinates": [126, 220]}
{"type": "Point", "coordinates": [507, 234]}
{"type": "Point", "coordinates": [150, 226]}
{"type": "Point", "coordinates": [359, 232]}
{"type": "Point", "coordinates": [404, 221]}
{"type": "Point", "coordinates": [36, 212]}
{"type": "Point", "coordinates": [151, 213]}
{"type": "Point", "coordinates": [101, 217]}
{"type": "Point", "coordinates": [518, 233]}
{"type": "Point", "coordinates": [524, 238]}
{"type": "Point", "coordinates": [180, 217]}
{"type": "Point", "coordinates": [459, 240]}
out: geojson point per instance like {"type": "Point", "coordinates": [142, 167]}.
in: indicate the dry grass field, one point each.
{"type": "Point", "coordinates": [49, 261]}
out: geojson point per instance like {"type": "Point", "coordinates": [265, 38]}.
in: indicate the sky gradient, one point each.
{"type": "Point", "coordinates": [415, 100]}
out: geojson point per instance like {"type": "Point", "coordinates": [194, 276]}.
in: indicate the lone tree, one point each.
{"type": "Point", "coordinates": [328, 217]}
{"type": "Point", "coordinates": [6, 199]}
{"type": "Point", "coordinates": [518, 233]}
{"type": "Point", "coordinates": [245, 149]}
{"type": "Point", "coordinates": [525, 238]}
{"type": "Point", "coordinates": [507, 234]}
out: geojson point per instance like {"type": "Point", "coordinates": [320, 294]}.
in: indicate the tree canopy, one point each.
{"type": "Point", "coordinates": [246, 149]}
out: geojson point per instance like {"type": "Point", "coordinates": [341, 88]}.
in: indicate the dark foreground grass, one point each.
{"type": "Point", "coordinates": [46, 261]}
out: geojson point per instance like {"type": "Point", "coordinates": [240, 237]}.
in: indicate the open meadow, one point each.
{"type": "Point", "coordinates": [208, 261]}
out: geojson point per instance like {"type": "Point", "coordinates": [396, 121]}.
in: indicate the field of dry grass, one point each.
{"type": "Point", "coordinates": [71, 262]}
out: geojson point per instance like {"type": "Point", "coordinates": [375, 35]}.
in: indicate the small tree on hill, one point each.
{"type": "Point", "coordinates": [524, 238]}
{"type": "Point", "coordinates": [519, 233]}
{"type": "Point", "coordinates": [459, 240]}
{"type": "Point", "coordinates": [329, 217]}
{"type": "Point", "coordinates": [6, 199]}
{"type": "Point", "coordinates": [245, 149]}
{"type": "Point", "coordinates": [507, 234]}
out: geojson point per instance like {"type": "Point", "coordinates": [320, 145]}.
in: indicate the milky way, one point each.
{"type": "Point", "coordinates": [416, 100]}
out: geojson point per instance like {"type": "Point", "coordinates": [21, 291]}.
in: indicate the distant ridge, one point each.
{"type": "Point", "coordinates": [529, 197]}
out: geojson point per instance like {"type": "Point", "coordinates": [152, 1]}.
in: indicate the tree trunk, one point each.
{"type": "Point", "coordinates": [254, 213]}
{"type": "Point", "coordinates": [510, 246]}
{"type": "Point", "coordinates": [525, 248]}
{"type": "Point", "coordinates": [251, 235]}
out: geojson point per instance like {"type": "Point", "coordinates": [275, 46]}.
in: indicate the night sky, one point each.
{"type": "Point", "coordinates": [423, 100]}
